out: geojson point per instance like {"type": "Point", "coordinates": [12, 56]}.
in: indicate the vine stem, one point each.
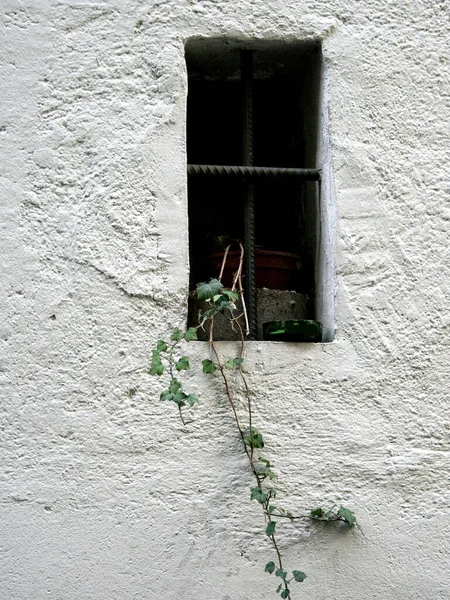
{"type": "Point", "coordinates": [241, 433]}
{"type": "Point", "coordinates": [182, 418]}
{"type": "Point", "coordinates": [237, 281]}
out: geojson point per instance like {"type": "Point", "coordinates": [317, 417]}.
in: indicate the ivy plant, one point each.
{"type": "Point", "coordinates": [168, 358]}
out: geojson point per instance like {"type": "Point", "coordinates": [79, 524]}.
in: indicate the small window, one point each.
{"type": "Point", "coordinates": [252, 143]}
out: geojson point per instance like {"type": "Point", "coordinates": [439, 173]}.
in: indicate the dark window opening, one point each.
{"type": "Point", "coordinates": [255, 107]}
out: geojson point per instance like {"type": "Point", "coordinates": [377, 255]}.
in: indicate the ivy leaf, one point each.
{"type": "Point", "coordinates": [161, 346]}
{"type": "Point", "coordinates": [285, 593]}
{"type": "Point", "coordinates": [232, 296]}
{"type": "Point", "coordinates": [233, 362]}
{"type": "Point", "coordinates": [281, 573]}
{"type": "Point", "coordinates": [206, 291]}
{"type": "Point", "coordinates": [207, 314]}
{"type": "Point", "coordinates": [179, 398]}
{"type": "Point", "coordinates": [157, 367]}
{"type": "Point", "coordinates": [279, 588]}
{"type": "Point", "coordinates": [192, 399]}
{"type": "Point", "coordinates": [270, 567]}
{"type": "Point", "coordinates": [222, 303]}
{"type": "Point", "coordinates": [319, 514]}
{"type": "Point", "coordinates": [271, 508]}
{"type": "Point", "coordinates": [176, 335]}
{"type": "Point", "coordinates": [347, 516]}
{"type": "Point", "coordinates": [208, 366]}
{"type": "Point", "coordinates": [270, 529]}
{"type": "Point", "coordinates": [166, 395]}
{"type": "Point", "coordinates": [223, 240]}
{"type": "Point", "coordinates": [299, 575]}
{"type": "Point", "coordinates": [253, 439]}
{"type": "Point", "coordinates": [174, 386]}
{"type": "Point", "coordinates": [257, 494]}
{"type": "Point", "coordinates": [190, 334]}
{"type": "Point", "coordinates": [183, 364]}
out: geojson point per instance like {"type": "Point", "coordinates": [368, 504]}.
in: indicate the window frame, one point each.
{"type": "Point", "coordinates": [324, 264]}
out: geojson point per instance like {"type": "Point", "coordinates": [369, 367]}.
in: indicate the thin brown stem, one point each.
{"type": "Point", "coordinates": [248, 448]}
{"type": "Point", "coordinates": [182, 418]}
{"type": "Point", "coordinates": [224, 260]}
{"type": "Point", "coordinates": [241, 292]}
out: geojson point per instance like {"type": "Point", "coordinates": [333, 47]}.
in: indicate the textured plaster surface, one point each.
{"type": "Point", "coordinates": [103, 495]}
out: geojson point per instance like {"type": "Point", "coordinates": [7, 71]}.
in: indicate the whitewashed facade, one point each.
{"type": "Point", "coordinates": [104, 496]}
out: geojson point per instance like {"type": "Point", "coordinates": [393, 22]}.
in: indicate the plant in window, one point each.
{"type": "Point", "coordinates": [166, 358]}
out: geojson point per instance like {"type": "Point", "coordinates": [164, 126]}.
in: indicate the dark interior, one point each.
{"type": "Point", "coordinates": [285, 116]}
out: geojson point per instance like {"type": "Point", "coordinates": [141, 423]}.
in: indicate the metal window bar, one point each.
{"type": "Point", "coordinates": [250, 172]}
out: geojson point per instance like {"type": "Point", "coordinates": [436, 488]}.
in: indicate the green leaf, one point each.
{"type": "Point", "coordinates": [208, 366]}
{"type": "Point", "coordinates": [347, 515]}
{"type": "Point", "coordinates": [257, 494]}
{"type": "Point", "coordinates": [285, 593]}
{"type": "Point", "coordinates": [157, 367]}
{"type": "Point", "coordinates": [176, 335]}
{"type": "Point", "coordinates": [161, 346]}
{"type": "Point", "coordinates": [279, 588]}
{"type": "Point", "coordinates": [319, 514]}
{"type": "Point", "coordinates": [270, 567]}
{"type": "Point", "coordinates": [271, 508]}
{"type": "Point", "coordinates": [233, 362]}
{"type": "Point", "coordinates": [299, 575]}
{"type": "Point", "coordinates": [231, 296]}
{"type": "Point", "coordinates": [183, 364]}
{"type": "Point", "coordinates": [281, 573]}
{"type": "Point", "coordinates": [207, 314]}
{"type": "Point", "coordinates": [221, 303]}
{"type": "Point", "coordinates": [179, 398]}
{"type": "Point", "coordinates": [192, 399]}
{"type": "Point", "coordinates": [223, 240]}
{"type": "Point", "coordinates": [166, 395]}
{"type": "Point", "coordinates": [174, 386]}
{"type": "Point", "coordinates": [253, 439]}
{"type": "Point", "coordinates": [270, 529]}
{"type": "Point", "coordinates": [190, 334]}
{"type": "Point", "coordinates": [206, 291]}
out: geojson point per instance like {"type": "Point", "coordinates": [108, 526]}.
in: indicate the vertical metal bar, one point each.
{"type": "Point", "coordinates": [249, 190]}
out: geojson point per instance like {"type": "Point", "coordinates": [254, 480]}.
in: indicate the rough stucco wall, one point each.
{"type": "Point", "coordinates": [103, 495]}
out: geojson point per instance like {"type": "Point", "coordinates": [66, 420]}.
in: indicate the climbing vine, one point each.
{"type": "Point", "coordinates": [167, 358]}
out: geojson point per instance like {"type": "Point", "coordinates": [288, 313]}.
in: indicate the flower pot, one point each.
{"type": "Point", "coordinates": [274, 270]}
{"type": "Point", "coordinates": [299, 330]}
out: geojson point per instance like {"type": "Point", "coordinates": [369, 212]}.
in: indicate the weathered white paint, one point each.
{"type": "Point", "coordinates": [104, 496]}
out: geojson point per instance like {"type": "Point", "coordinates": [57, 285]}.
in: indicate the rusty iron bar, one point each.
{"type": "Point", "coordinates": [249, 191]}
{"type": "Point", "coordinates": [252, 172]}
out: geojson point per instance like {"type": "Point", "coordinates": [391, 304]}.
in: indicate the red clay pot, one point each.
{"type": "Point", "coordinates": [274, 270]}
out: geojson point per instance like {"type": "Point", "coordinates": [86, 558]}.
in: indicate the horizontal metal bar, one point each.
{"type": "Point", "coordinates": [233, 171]}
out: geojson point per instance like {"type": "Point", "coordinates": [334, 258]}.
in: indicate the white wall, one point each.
{"type": "Point", "coordinates": [103, 495]}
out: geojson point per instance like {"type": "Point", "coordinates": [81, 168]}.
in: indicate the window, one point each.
{"type": "Point", "coordinates": [252, 145]}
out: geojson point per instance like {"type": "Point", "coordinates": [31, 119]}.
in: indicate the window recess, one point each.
{"type": "Point", "coordinates": [252, 130]}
